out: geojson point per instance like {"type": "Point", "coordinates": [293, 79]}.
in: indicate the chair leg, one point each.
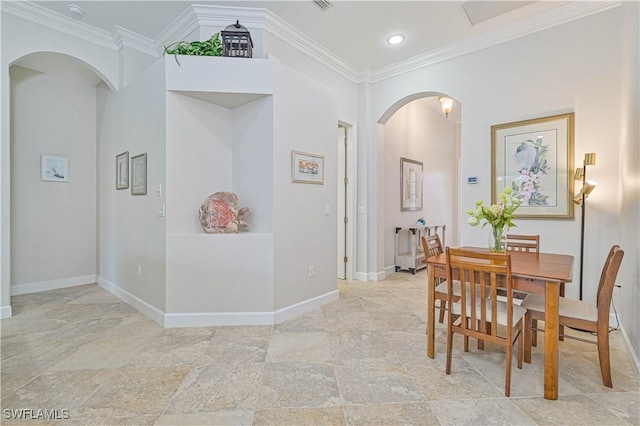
{"type": "Point", "coordinates": [527, 337]}
{"type": "Point", "coordinates": [561, 328]}
{"type": "Point", "coordinates": [443, 307]}
{"type": "Point", "coordinates": [449, 347]}
{"type": "Point", "coordinates": [481, 342]}
{"type": "Point", "coordinates": [520, 343]}
{"type": "Point", "coordinates": [534, 335]}
{"type": "Point", "coordinates": [507, 383]}
{"type": "Point", "coordinates": [603, 355]}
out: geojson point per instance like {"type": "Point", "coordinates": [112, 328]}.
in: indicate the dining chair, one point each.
{"type": "Point", "coordinates": [528, 243]}
{"type": "Point", "coordinates": [432, 246]}
{"type": "Point", "coordinates": [479, 313]}
{"type": "Point", "coordinates": [581, 315]}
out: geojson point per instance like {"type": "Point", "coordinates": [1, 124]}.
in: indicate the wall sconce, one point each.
{"type": "Point", "coordinates": [446, 104]}
{"type": "Point", "coordinates": [580, 198]}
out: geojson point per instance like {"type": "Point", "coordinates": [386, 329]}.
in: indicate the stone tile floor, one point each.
{"type": "Point", "coordinates": [358, 361]}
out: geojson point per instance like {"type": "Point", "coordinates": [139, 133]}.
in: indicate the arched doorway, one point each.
{"type": "Point", "coordinates": [53, 113]}
{"type": "Point", "coordinates": [416, 129]}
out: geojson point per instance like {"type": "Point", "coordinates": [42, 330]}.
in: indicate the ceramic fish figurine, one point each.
{"type": "Point", "coordinates": [219, 215]}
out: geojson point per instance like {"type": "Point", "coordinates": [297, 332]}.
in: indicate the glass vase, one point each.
{"type": "Point", "coordinates": [498, 239]}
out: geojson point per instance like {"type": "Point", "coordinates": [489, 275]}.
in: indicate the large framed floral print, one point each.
{"type": "Point", "coordinates": [535, 159]}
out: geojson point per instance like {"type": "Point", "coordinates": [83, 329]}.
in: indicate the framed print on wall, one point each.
{"type": "Point", "coordinates": [139, 174]}
{"type": "Point", "coordinates": [410, 185]}
{"type": "Point", "coordinates": [54, 168]}
{"type": "Point", "coordinates": [122, 170]}
{"type": "Point", "coordinates": [535, 159]}
{"type": "Point", "coordinates": [307, 168]}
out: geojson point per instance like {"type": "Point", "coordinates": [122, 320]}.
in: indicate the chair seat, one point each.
{"type": "Point", "coordinates": [443, 287]}
{"type": "Point", "coordinates": [518, 311]}
{"type": "Point", "coordinates": [571, 308]}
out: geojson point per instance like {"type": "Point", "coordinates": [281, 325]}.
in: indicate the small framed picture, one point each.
{"type": "Point", "coordinates": [139, 174]}
{"type": "Point", "coordinates": [410, 185]}
{"type": "Point", "coordinates": [54, 168]}
{"type": "Point", "coordinates": [122, 170]}
{"type": "Point", "coordinates": [307, 168]}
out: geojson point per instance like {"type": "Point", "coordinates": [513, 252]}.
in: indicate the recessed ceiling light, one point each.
{"type": "Point", "coordinates": [395, 39]}
{"type": "Point", "coordinates": [76, 11]}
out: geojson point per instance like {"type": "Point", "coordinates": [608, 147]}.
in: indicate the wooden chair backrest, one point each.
{"type": "Point", "coordinates": [484, 271]}
{"type": "Point", "coordinates": [431, 245]}
{"type": "Point", "coordinates": [528, 243]}
{"type": "Point", "coordinates": [607, 282]}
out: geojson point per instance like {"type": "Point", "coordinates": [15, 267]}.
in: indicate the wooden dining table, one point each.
{"type": "Point", "coordinates": [532, 273]}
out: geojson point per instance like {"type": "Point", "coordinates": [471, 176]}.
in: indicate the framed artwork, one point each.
{"type": "Point", "coordinates": [54, 168]}
{"type": "Point", "coordinates": [122, 170]}
{"type": "Point", "coordinates": [535, 159]}
{"type": "Point", "coordinates": [410, 185]}
{"type": "Point", "coordinates": [139, 174]}
{"type": "Point", "coordinates": [307, 168]}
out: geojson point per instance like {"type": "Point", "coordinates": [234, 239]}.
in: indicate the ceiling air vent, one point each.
{"type": "Point", "coordinates": [323, 4]}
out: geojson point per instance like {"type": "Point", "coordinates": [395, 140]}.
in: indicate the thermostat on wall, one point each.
{"type": "Point", "coordinates": [472, 179]}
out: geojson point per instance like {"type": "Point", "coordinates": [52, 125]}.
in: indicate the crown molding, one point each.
{"type": "Point", "coordinates": [196, 16]}
{"type": "Point", "coordinates": [32, 12]}
{"type": "Point", "coordinates": [123, 37]}
{"type": "Point", "coordinates": [254, 19]}
{"type": "Point", "coordinates": [551, 18]}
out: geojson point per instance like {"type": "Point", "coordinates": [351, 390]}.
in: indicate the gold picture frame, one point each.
{"type": "Point", "coordinates": [535, 159]}
{"type": "Point", "coordinates": [307, 168]}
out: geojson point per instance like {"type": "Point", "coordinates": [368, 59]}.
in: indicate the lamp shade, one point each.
{"type": "Point", "coordinates": [446, 104]}
{"type": "Point", "coordinates": [585, 190]}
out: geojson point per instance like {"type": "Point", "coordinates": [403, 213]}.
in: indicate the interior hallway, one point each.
{"type": "Point", "coordinates": [359, 361]}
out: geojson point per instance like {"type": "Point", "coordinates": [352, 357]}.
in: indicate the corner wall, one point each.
{"type": "Point", "coordinates": [130, 234]}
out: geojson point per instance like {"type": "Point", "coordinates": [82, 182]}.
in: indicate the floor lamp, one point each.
{"type": "Point", "coordinates": [580, 199]}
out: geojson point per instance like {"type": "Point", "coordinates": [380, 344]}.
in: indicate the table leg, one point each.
{"type": "Point", "coordinates": [551, 326]}
{"type": "Point", "coordinates": [431, 311]}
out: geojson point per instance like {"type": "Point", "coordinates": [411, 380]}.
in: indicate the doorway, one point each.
{"type": "Point", "coordinates": [345, 204]}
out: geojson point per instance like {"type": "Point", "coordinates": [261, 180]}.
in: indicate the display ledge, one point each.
{"type": "Point", "coordinates": [220, 74]}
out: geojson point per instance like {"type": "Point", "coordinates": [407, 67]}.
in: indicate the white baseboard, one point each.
{"type": "Point", "coordinates": [140, 305]}
{"type": "Point", "coordinates": [5, 311]}
{"type": "Point", "coordinates": [377, 276]}
{"type": "Point", "coordinates": [36, 287]}
{"type": "Point", "coordinates": [305, 306]}
{"type": "Point", "coordinates": [371, 276]}
{"type": "Point", "coordinates": [632, 351]}
{"type": "Point", "coordinates": [215, 319]}
{"type": "Point", "coordinates": [390, 270]}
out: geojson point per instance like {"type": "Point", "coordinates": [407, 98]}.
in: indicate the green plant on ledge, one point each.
{"type": "Point", "coordinates": [211, 47]}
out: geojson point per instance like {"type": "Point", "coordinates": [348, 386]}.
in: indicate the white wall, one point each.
{"type": "Point", "coordinates": [305, 119]}
{"type": "Point", "coordinates": [419, 133]}
{"type": "Point", "coordinates": [129, 232]}
{"type": "Point", "coordinates": [545, 73]}
{"type": "Point", "coordinates": [628, 297]}
{"type": "Point", "coordinates": [53, 224]}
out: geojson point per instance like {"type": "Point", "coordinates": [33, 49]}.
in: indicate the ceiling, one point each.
{"type": "Point", "coordinates": [355, 31]}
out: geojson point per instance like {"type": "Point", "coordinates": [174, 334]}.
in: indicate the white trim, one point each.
{"type": "Point", "coordinates": [551, 18]}
{"type": "Point", "coordinates": [305, 306]}
{"type": "Point", "coordinates": [257, 18]}
{"type": "Point", "coordinates": [36, 287]}
{"type": "Point", "coordinates": [123, 37]}
{"type": "Point", "coordinates": [634, 355]}
{"type": "Point", "coordinates": [140, 305]}
{"type": "Point", "coordinates": [377, 276]}
{"type": "Point", "coordinates": [389, 270]}
{"type": "Point", "coordinates": [58, 22]}
{"type": "Point", "coordinates": [5, 312]}
{"type": "Point", "coordinates": [214, 319]}
{"type": "Point", "coordinates": [361, 276]}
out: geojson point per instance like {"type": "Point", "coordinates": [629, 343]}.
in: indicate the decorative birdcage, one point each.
{"type": "Point", "coordinates": [236, 41]}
